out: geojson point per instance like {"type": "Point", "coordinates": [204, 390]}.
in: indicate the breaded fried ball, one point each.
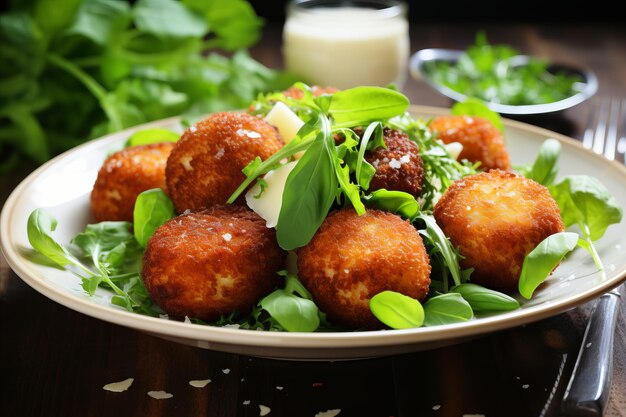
{"type": "Point", "coordinates": [124, 175]}
{"type": "Point", "coordinates": [212, 262]}
{"type": "Point", "coordinates": [351, 258]}
{"type": "Point", "coordinates": [496, 218]}
{"type": "Point", "coordinates": [399, 166]}
{"type": "Point", "coordinates": [482, 141]}
{"type": "Point", "coordinates": [205, 166]}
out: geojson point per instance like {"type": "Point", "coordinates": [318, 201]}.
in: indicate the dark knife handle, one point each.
{"type": "Point", "coordinates": [589, 385]}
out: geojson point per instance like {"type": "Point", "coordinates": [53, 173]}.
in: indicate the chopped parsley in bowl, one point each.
{"type": "Point", "coordinates": [508, 82]}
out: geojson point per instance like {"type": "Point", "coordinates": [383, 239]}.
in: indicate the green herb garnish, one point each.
{"type": "Point", "coordinates": [488, 72]}
{"type": "Point", "coordinates": [84, 68]}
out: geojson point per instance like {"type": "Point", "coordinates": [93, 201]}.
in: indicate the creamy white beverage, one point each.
{"type": "Point", "coordinates": [346, 47]}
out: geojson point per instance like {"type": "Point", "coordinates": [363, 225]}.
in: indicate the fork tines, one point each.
{"type": "Point", "coordinates": [606, 132]}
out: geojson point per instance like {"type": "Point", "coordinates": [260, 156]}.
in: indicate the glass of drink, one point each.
{"type": "Point", "coordinates": [343, 44]}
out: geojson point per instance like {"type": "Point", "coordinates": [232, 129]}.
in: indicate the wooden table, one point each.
{"type": "Point", "coordinates": [54, 361]}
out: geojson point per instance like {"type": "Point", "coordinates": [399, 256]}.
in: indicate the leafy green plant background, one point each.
{"type": "Point", "coordinates": [74, 70]}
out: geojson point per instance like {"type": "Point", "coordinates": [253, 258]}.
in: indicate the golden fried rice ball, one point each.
{"type": "Point", "coordinates": [482, 141]}
{"type": "Point", "coordinates": [351, 258]}
{"type": "Point", "coordinates": [123, 176]}
{"type": "Point", "coordinates": [399, 166]}
{"type": "Point", "coordinates": [496, 218]}
{"type": "Point", "coordinates": [212, 262]}
{"type": "Point", "coordinates": [205, 166]}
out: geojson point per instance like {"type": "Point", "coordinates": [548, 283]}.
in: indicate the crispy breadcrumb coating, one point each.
{"type": "Point", "coordinates": [123, 176]}
{"type": "Point", "coordinates": [351, 258]}
{"type": "Point", "coordinates": [211, 263]}
{"type": "Point", "coordinates": [399, 166]}
{"type": "Point", "coordinates": [205, 166]}
{"type": "Point", "coordinates": [482, 141]}
{"type": "Point", "coordinates": [496, 218]}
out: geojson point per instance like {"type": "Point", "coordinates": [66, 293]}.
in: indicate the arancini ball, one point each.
{"type": "Point", "coordinates": [205, 166]}
{"type": "Point", "coordinates": [123, 176]}
{"type": "Point", "coordinates": [211, 263]}
{"type": "Point", "coordinates": [353, 257]}
{"type": "Point", "coordinates": [495, 219]}
{"type": "Point", "coordinates": [482, 141]}
{"type": "Point", "coordinates": [399, 166]}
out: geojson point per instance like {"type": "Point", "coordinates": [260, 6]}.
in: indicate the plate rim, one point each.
{"type": "Point", "coordinates": [289, 340]}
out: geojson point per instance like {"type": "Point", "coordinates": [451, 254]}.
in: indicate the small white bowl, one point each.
{"type": "Point", "coordinates": [586, 88]}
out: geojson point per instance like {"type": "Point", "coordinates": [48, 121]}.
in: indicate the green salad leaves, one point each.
{"type": "Point", "coordinates": [490, 73]}
{"type": "Point", "coordinates": [330, 171]}
{"type": "Point", "coordinates": [82, 68]}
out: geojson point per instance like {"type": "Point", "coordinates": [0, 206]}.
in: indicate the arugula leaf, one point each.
{"type": "Point", "coordinates": [586, 202]}
{"type": "Point", "coordinates": [443, 251]}
{"type": "Point", "coordinates": [39, 227]}
{"type": "Point", "coordinates": [545, 169]}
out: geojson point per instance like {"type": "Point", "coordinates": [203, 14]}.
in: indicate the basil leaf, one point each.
{"type": "Point", "coordinates": [586, 202]}
{"type": "Point", "coordinates": [446, 309]}
{"type": "Point", "coordinates": [396, 310]}
{"type": "Point", "coordinates": [310, 191]}
{"type": "Point", "coordinates": [485, 299]}
{"type": "Point", "coordinates": [542, 260]}
{"type": "Point", "coordinates": [361, 105]}
{"type": "Point", "coordinates": [152, 209]}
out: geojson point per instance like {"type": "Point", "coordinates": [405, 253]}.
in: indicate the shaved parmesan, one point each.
{"type": "Point", "coordinates": [268, 203]}
{"type": "Point", "coordinates": [120, 386]}
{"type": "Point", "coordinates": [285, 120]}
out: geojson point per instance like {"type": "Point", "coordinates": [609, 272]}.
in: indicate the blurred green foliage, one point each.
{"type": "Point", "coordinates": [73, 70]}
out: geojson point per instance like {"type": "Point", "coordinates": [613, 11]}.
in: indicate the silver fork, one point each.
{"type": "Point", "coordinates": [588, 389]}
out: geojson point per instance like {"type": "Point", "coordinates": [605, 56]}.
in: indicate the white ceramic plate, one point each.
{"type": "Point", "coordinates": [62, 186]}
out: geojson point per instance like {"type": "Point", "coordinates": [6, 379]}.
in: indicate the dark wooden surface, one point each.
{"type": "Point", "coordinates": [54, 361]}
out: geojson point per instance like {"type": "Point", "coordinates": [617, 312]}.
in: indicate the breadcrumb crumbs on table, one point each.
{"type": "Point", "coordinates": [264, 410]}
{"type": "Point", "coordinates": [436, 407]}
{"type": "Point", "coordinates": [226, 371]}
{"type": "Point", "coordinates": [246, 402]}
